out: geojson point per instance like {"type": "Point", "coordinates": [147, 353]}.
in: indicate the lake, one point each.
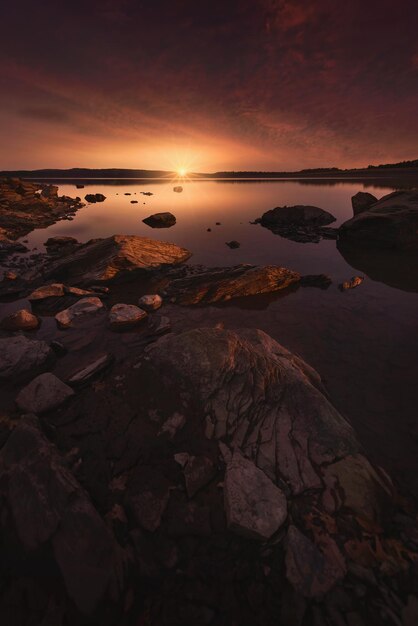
{"type": "Point", "coordinates": [363, 342]}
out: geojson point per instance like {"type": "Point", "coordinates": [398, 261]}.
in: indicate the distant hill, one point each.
{"type": "Point", "coordinates": [408, 167]}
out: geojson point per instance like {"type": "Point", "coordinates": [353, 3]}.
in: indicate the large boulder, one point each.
{"type": "Point", "coordinates": [362, 201]}
{"type": "Point", "coordinates": [231, 282]}
{"type": "Point", "coordinates": [116, 257]}
{"type": "Point", "coordinates": [160, 220]}
{"type": "Point", "coordinates": [392, 222]}
{"type": "Point", "coordinates": [300, 223]}
{"type": "Point", "coordinates": [22, 358]}
{"type": "Point", "coordinates": [50, 511]}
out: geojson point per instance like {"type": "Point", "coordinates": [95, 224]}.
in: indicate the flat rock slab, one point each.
{"type": "Point", "coordinates": [254, 506]}
{"type": "Point", "coordinates": [87, 373]}
{"type": "Point", "coordinates": [54, 290]}
{"type": "Point", "coordinates": [114, 258]}
{"type": "Point", "coordinates": [22, 358]}
{"type": "Point", "coordinates": [389, 223]}
{"type": "Point", "coordinates": [150, 302]}
{"type": "Point", "coordinates": [44, 393]}
{"type": "Point", "coordinates": [160, 220]}
{"type": "Point", "coordinates": [223, 284]}
{"type": "Point", "coordinates": [86, 306]}
{"type": "Point", "coordinates": [20, 320]}
{"type": "Point", "coordinates": [124, 316]}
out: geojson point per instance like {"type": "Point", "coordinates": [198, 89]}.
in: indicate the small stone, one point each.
{"type": "Point", "coordinates": [44, 393]}
{"type": "Point", "coordinates": [178, 189]}
{"type": "Point", "coordinates": [233, 244]}
{"type": "Point", "coordinates": [150, 302]}
{"type": "Point", "coordinates": [9, 276]}
{"type": "Point", "coordinates": [20, 320]}
{"type": "Point", "coordinates": [55, 290]}
{"type": "Point", "coordinates": [125, 316]}
{"type": "Point", "coordinates": [86, 306]}
{"type": "Point", "coordinates": [198, 472]}
{"type": "Point", "coordinates": [352, 283]}
{"type": "Point", "coordinates": [173, 424]}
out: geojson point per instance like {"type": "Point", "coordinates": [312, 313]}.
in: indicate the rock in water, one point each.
{"type": "Point", "coordinates": [160, 220]}
{"type": "Point", "coordinates": [87, 373]}
{"type": "Point", "coordinates": [254, 506]}
{"type": "Point", "coordinates": [352, 283]}
{"type": "Point", "coordinates": [86, 306]}
{"type": "Point", "coordinates": [391, 222]}
{"type": "Point", "coordinates": [44, 393]}
{"type": "Point", "coordinates": [178, 189]}
{"type": "Point", "coordinates": [22, 358]}
{"type": "Point", "coordinates": [362, 201]}
{"type": "Point", "coordinates": [123, 316]}
{"type": "Point", "coordinates": [150, 302]}
{"type": "Point", "coordinates": [231, 282]}
{"type": "Point", "coordinates": [116, 257]}
{"type": "Point", "coordinates": [299, 223]}
{"type": "Point", "coordinates": [95, 197]}
{"type": "Point", "coordinates": [20, 320]}
{"type": "Point", "coordinates": [49, 508]}
{"type": "Point", "coordinates": [55, 290]}
{"type": "Point", "coordinates": [233, 244]}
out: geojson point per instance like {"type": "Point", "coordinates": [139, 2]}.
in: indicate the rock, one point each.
{"type": "Point", "coordinates": [123, 316]}
{"type": "Point", "coordinates": [231, 282]}
{"type": "Point", "coordinates": [23, 208]}
{"type": "Point", "coordinates": [390, 223]}
{"type": "Point", "coordinates": [254, 506]}
{"type": "Point", "coordinates": [10, 276]}
{"type": "Point", "coordinates": [150, 302]}
{"type": "Point", "coordinates": [323, 281]}
{"type": "Point", "coordinates": [49, 508]}
{"type": "Point", "coordinates": [80, 186]}
{"type": "Point", "coordinates": [233, 244]}
{"type": "Point", "coordinates": [54, 290]}
{"type": "Point", "coordinates": [146, 193]}
{"type": "Point", "coordinates": [61, 245]}
{"type": "Point", "coordinates": [260, 398]}
{"type": "Point", "coordinates": [116, 257]}
{"type": "Point", "coordinates": [20, 320]}
{"type": "Point", "coordinates": [86, 374]}
{"type": "Point", "coordinates": [134, 201]}
{"type": "Point", "coordinates": [147, 497]}
{"type": "Point", "coordinates": [160, 220]}
{"type": "Point", "coordinates": [352, 283]}
{"type": "Point", "coordinates": [44, 393]}
{"type": "Point", "coordinates": [86, 306]}
{"type": "Point", "coordinates": [22, 358]}
{"type": "Point", "coordinates": [299, 223]}
{"type": "Point", "coordinates": [198, 472]}
{"type": "Point", "coordinates": [362, 201]}
{"type": "Point", "coordinates": [311, 571]}
{"type": "Point", "coordinates": [95, 197]}
{"type": "Point", "coordinates": [178, 189]}
{"type": "Point", "coordinates": [172, 425]}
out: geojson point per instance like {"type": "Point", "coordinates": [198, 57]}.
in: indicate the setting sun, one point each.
{"type": "Point", "coordinates": [182, 171]}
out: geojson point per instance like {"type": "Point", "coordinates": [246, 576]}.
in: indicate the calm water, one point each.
{"type": "Point", "coordinates": [363, 342]}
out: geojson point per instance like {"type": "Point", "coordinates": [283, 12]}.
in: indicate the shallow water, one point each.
{"type": "Point", "coordinates": [363, 342]}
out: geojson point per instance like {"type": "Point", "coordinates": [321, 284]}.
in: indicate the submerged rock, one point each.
{"type": "Point", "coordinates": [391, 223]}
{"type": "Point", "coordinates": [160, 220]}
{"type": "Point", "coordinates": [362, 201]}
{"type": "Point", "coordinates": [84, 375]}
{"type": "Point", "coordinates": [20, 320]}
{"type": "Point", "coordinates": [231, 282]}
{"type": "Point", "coordinates": [114, 258]}
{"type": "Point", "coordinates": [123, 316]}
{"type": "Point", "coordinates": [86, 306]}
{"type": "Point", "coordinates": [44, 393]}
{"type": "Point", "coordinates": [22, 358]}
{"type": "Point", "coordinates": [254, 506]}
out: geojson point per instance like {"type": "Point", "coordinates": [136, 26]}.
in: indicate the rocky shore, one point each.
{"type": "Point", "coordinates": [157, 476]}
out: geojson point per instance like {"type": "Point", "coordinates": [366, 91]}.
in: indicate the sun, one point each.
{"type": "Point", "coordinates": [182, 172]}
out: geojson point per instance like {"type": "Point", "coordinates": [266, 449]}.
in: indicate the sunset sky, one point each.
{"type": "Point", "coordinates": [208, 85]}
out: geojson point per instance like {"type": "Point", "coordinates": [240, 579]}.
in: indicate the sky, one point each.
{"type": "Point", "coordinates": [208, 85]}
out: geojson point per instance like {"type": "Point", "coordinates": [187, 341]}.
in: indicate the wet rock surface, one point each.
{"type": "Point", "coordinates": [44, 393]}
{"type": "Point", "coordinates": [22, 358]}
{"type": "Point", "coordinates": [115, 258]}
{"type": "Point", "coordinates": [124, 316]}
{"type": "Point", "coordinates": [85, 306]}
{"type": "Point", "coordinates": [362, 201]}
{"type": "Point", "coordinates": [20, 320]}
{"type": "Point", "coordinates": [224, 284]}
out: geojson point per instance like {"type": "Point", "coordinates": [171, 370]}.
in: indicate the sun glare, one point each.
{"type": "Point", "coordinates": [182, 171]}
